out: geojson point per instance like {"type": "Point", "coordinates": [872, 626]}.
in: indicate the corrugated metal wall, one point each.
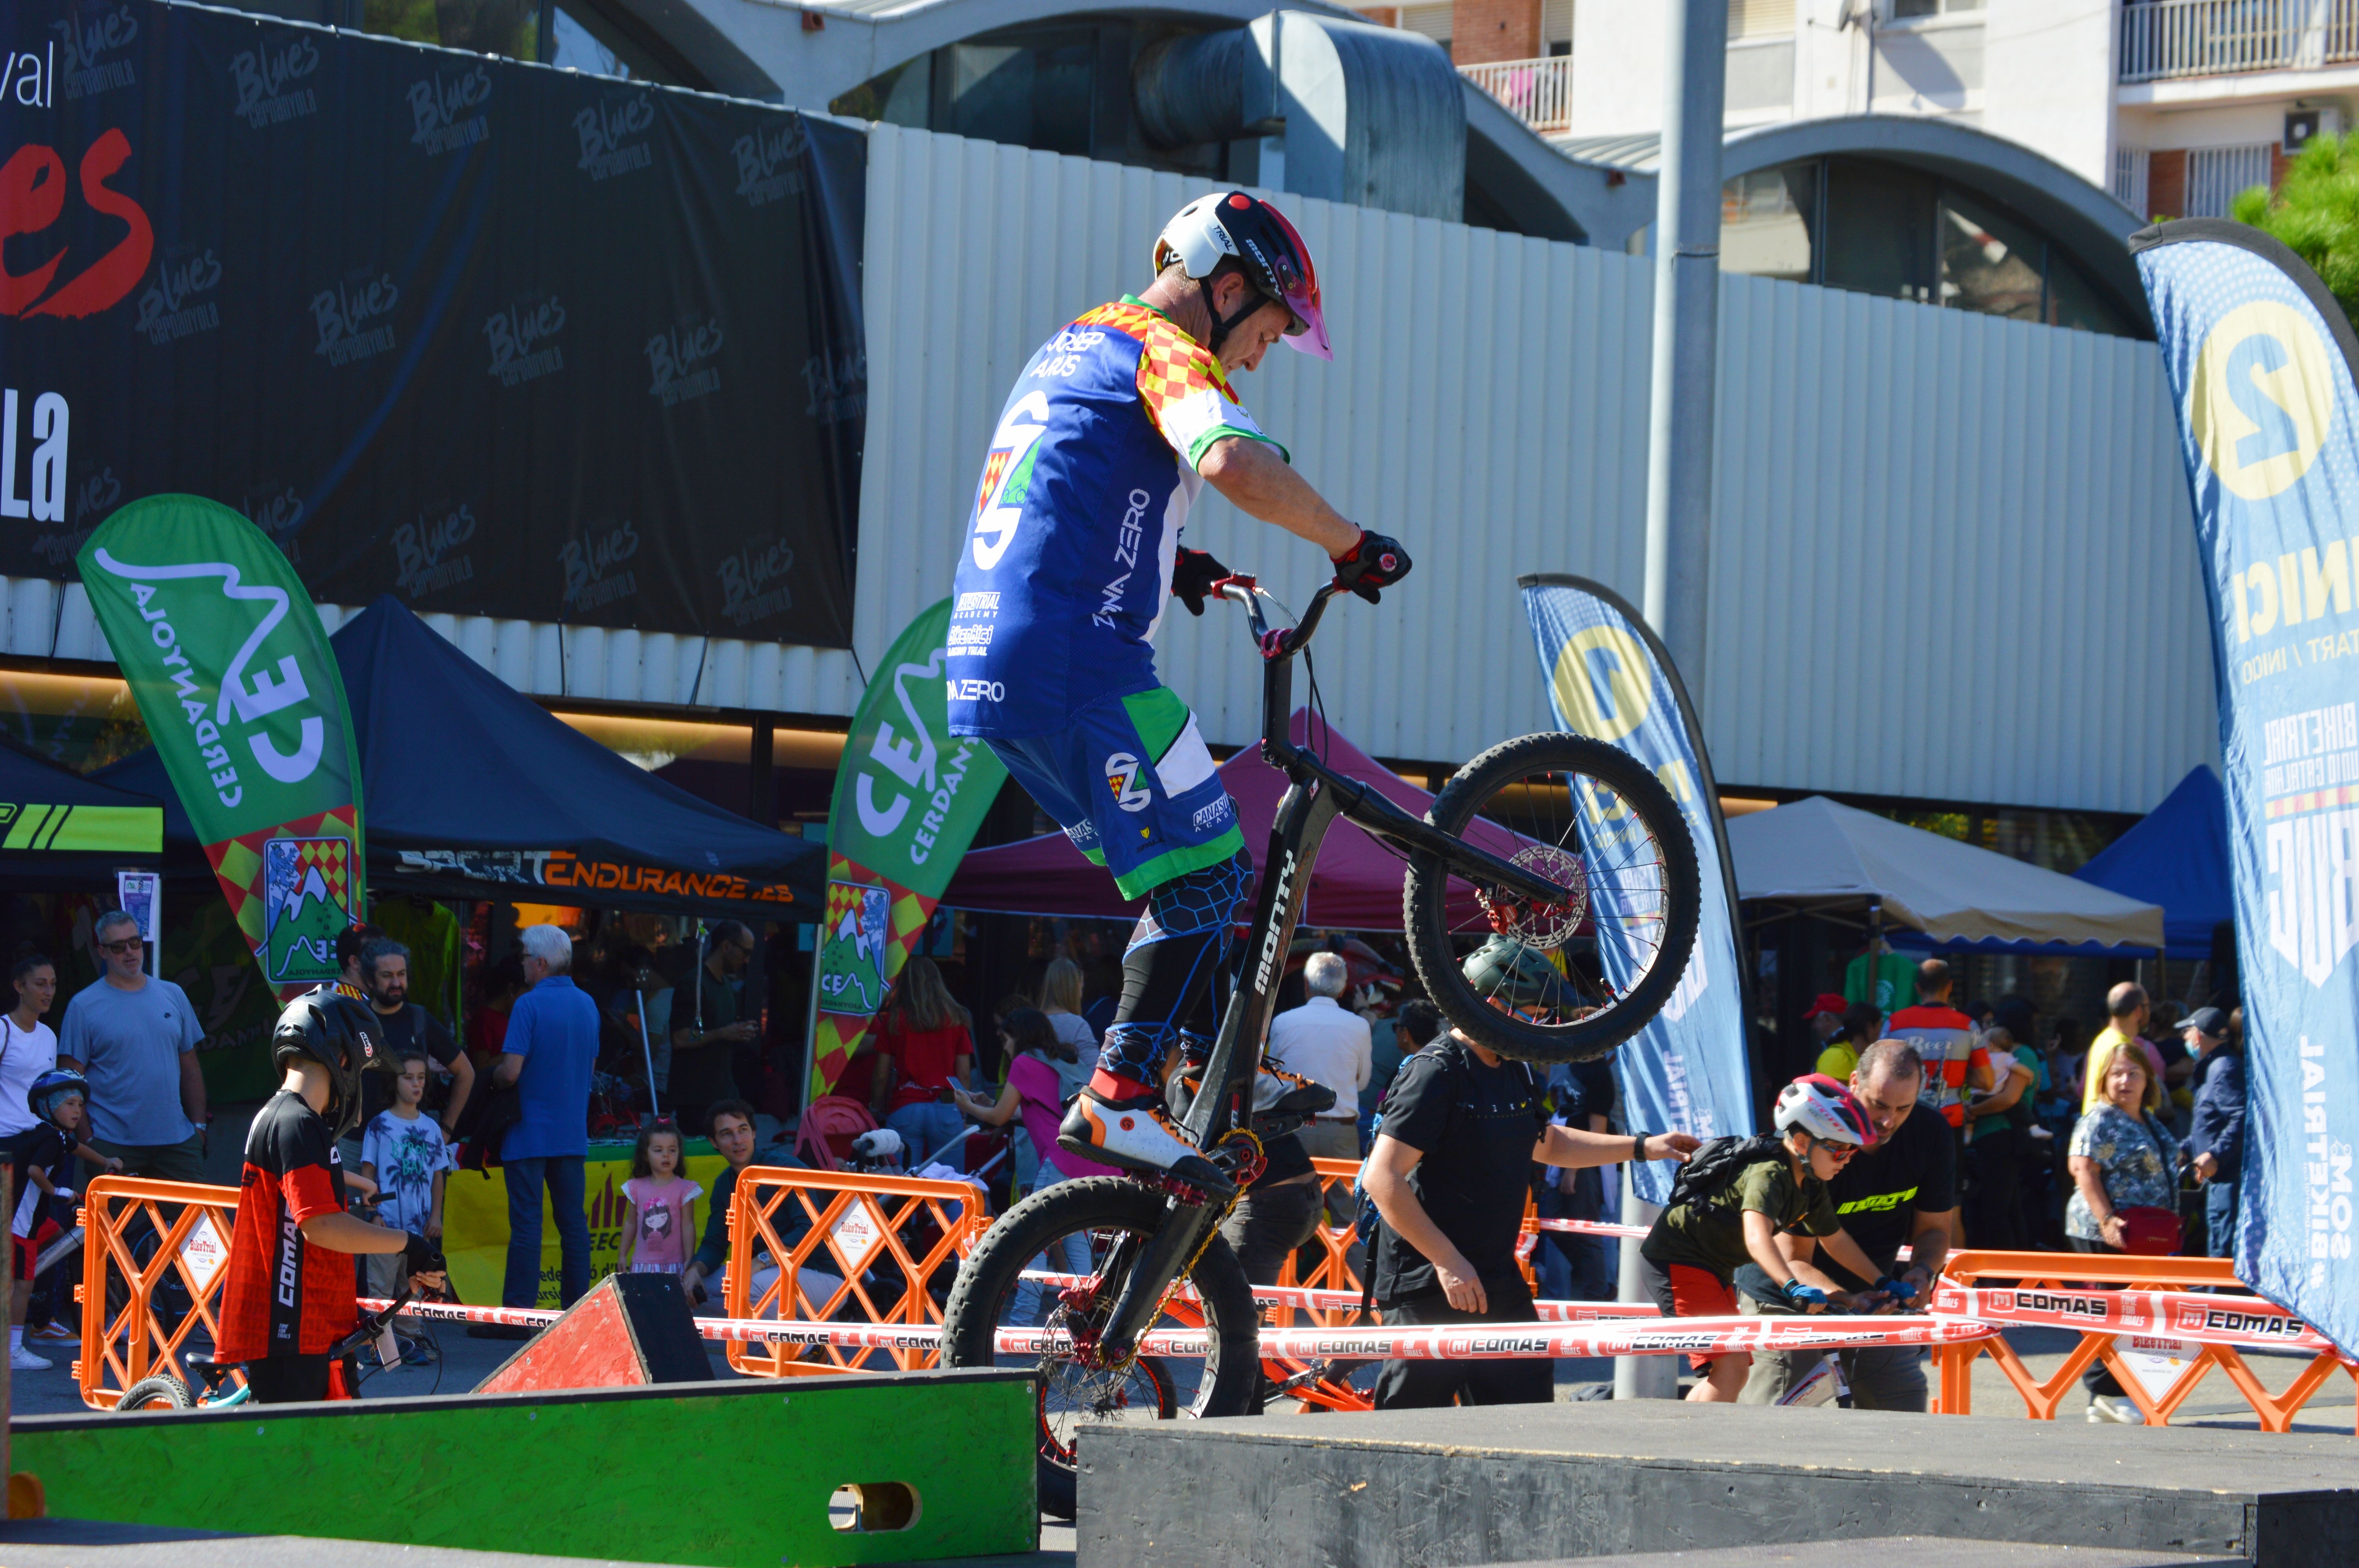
{"type": "Point", "coordinates": [1953, 557]}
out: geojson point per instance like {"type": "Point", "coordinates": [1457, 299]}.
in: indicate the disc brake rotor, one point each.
{"type": "Point", "coordinates": [1531, 921]}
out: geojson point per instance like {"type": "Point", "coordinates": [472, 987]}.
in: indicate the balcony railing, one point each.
{"type": "Point", "coordinates": [2162, 40]}
{"type": "Point", "coordinates": [1537, 92]}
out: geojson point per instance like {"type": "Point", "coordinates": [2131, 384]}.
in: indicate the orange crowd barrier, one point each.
{"type": "Point", "coordinates": [835, 1245]}
{"type": "Point", "coordinates": [142, 1239]}
{"type": "Point", "coordinates": [2059, 1289]}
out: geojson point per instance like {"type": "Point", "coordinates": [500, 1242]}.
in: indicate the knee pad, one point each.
{"type": "Point", "coordinates": [1205, 899]}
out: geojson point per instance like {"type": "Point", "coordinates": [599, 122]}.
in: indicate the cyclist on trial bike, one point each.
{"type": "Point", "coordinates": [1110, 434]}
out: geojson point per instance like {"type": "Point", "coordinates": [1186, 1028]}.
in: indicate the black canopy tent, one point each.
{"type": "Point", "coordinates": [470, 789]}
{"type": "Point", "coordinates": [59, 830]}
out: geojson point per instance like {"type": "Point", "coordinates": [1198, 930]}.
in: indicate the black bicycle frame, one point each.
{"type": "Point", "coordinates": [1315, 797]}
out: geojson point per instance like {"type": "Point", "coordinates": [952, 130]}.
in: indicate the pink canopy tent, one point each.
{"type": "Point", "coordinates": [1356, 885]}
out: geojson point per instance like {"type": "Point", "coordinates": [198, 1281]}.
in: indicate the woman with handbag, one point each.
{"type": "Point", "coordinates": [2125, 1167]}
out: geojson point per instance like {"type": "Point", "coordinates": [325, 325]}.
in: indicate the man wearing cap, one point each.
{"type": "Point", "coordinates": [2216, 1135]}
{"type": "Point", "coordinates": [1836, 1057]}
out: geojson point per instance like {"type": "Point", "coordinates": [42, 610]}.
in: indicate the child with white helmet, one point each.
{"type": "Point", "coordinates": [1730, 1203]}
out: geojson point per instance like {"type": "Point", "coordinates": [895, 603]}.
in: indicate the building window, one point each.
{"type": "Point", "coordinates": [1433, 21]}
{"type": "Point", "coordinates": [1760, 18]}
{"type": "Point", "coordinates": [1989, 263]}
{"type": "Point", "coordinates": [1910, 10]}
{"type": "Point", "coordinates": [1556, 27]}
{"type": "Point", "coordinates": [902, 96]}
{"type": "Point", "coordinates": [1034, 92]}
{"type": "Point", "coordinates": [2217, 176]}
{"type": "Point", "coordinates": [1762, 230]}
{"type": "Point", "coordinates": [1901, 232]}
{"type": "Point", "coordinates": [2129, 178]}
{"type": "Point", "coordinates": [1876, 231]}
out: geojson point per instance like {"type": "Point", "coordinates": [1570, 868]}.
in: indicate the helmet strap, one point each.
{"type": "Point", "coordinates": [1221, 328]}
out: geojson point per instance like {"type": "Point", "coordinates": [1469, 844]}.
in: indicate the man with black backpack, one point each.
{"type": "Point", "coordinates": [1448, 1175]}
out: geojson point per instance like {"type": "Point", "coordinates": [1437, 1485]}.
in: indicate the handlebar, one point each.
{"type": "Point", "coordinates": [1284, 641]}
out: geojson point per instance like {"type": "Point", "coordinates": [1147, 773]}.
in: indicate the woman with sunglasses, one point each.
{"type": "Point", "coordinates": [1732, 1200]}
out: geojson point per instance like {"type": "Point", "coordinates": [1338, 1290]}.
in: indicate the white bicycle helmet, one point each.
{"type": "Point", "coordinates": [1233, 227]}
{"type": "Point", "coordinates": [1824, 1108]}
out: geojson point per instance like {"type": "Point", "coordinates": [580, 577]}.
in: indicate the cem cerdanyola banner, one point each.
{"type": "Point", "coordinates": [233, 674]}
{"type": "Point", "coordinates": [1611, 680]}
{"type": "Point", "coordinates": [2260, 359]}
{"type": "Point", "coordinates": [494, 338]}
{"type": "Point", "coordinates": [908, 796]}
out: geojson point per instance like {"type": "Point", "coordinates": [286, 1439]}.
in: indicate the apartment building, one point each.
{"type": "Point", "coordinates": [2172, 105]}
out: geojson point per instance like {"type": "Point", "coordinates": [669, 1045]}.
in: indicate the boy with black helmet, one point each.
{"type": "Point", "coordinates": [290, 1297]}
{"type": "Point", "coordinates": [44, 1208]}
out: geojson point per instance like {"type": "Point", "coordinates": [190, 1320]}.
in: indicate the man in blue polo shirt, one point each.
{"type": "Point", "coordinates": [551, 1043]}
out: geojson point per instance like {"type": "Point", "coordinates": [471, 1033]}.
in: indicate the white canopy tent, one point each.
{"type": "Point", "coordinates": [1816, 853]}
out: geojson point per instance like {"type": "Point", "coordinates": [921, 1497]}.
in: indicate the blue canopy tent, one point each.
{"type": "Point", "coordinates": [472, 790]}
{"type": "Point", "coordinates": [58, 829]}
{"type": "Point", "coordinates": [2177, 857]}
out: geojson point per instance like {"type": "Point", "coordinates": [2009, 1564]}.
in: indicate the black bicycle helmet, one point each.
{"type": "Point", "coordinates": [333, 1027]}
{"type": "Point", "coordinates": [50, 1088]}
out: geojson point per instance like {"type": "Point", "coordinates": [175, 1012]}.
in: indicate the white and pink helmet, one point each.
{"type": "Point", "coordinates": [1232, 226]}
{"type": "Point", "coordinates": [1825, 1109]}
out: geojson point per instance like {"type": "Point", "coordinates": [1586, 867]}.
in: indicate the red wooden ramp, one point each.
{"type": "Point", "coordinates": [630, 1331]}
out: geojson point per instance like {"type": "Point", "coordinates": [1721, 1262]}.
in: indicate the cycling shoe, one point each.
{"type": "Point", "coordinates": [1135, 1135]}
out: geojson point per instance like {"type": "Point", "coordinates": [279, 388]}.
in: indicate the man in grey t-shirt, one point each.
{"type": "Point", "coordinates": [135, 1038]}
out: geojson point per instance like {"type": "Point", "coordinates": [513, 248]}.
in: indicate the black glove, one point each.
{"type": "Point", "coordinates": [421, 1255]}
{"type": "Point", "coordinates": [1192, 576]}
{"type": "Point", "coordinates": [1374, 563]}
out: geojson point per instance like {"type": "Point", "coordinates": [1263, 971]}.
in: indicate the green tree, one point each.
{"type": "Point", "coordinates": [2316, 213]}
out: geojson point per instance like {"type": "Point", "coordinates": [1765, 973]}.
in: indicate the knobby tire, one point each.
{"type": "Point", "coordinates": [1426, 913]}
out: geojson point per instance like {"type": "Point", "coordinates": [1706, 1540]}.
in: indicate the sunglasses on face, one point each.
{"type": "Point", "coordinates": [128, 945]}
{"type": "Point", "coordinates": [1841, 1152]}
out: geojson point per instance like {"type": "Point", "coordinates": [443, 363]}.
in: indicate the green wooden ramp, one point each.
{"type": "Point", "coordinates": [735, 1474]}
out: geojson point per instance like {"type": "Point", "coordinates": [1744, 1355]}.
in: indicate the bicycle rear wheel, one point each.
{"type": "Point", "coordinates": [1094, 1214]}
{"type": "Point", "coordinates": [1590, 817]}
{"type": "Point", "coordinates": [160, 1391]}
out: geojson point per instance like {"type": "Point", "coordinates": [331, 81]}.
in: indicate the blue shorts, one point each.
{"type": "Point", "coordinates": [1133, 785]}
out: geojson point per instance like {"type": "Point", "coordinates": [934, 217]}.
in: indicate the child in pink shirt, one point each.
{"type": "Point", "coordinates": [660, 1221]}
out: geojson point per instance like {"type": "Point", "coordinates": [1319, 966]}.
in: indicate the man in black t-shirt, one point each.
{"type": "Point", "coordinates": [410, 1031]}
{"type": "Point", "coordinates": [1448, 1175]}
{"type": "Point", "coordinates": [1893, 1194]}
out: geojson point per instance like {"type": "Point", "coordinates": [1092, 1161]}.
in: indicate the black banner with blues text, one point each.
{"type": "Point", "coordinates": [494, 338]}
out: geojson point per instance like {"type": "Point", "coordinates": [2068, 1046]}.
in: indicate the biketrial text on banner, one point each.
{"type": "Point", "coordinates": [908, 796]}
{"type": "Point", "coordinates": [231, 671]}
{"type": "Point", "coordinates": [2260, 359]}
{"type": "Point", "coordinates": [1611, 680]}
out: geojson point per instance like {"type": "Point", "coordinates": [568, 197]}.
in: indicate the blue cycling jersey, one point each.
{"type": "Point", "coordinates": [1076, 524]}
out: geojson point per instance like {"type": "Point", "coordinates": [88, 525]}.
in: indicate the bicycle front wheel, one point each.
{"type": "Point", "coordinates": [1070, 1229]}
{"type": "Point", "coordinates": [1595, 820]}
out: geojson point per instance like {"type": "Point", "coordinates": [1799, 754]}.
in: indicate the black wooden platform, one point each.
{"type": "Point", "coordinates": [1528, 1484]}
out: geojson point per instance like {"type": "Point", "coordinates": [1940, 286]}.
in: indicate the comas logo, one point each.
{"type": "Point", "coordinates": [2263, 398]}
{"type": "Point", "coordinates": [1604, 683]}
{"type": "Point", "coordinates": [1122, 771]}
